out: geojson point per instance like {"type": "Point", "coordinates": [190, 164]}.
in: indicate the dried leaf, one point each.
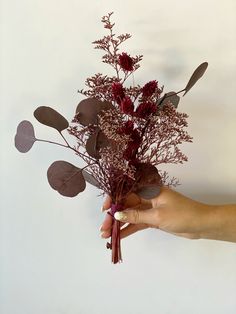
{"type": "Point", "coordinates": [197, 74]}
{"type": "Point", "coordinates": [149, 191]}
{"type": "Point", "coordinates": [169, 97]}
{"type": "Point", "coordinates": [67, 179]}
{"type": "Point", "coordinates": [50, 117]}
{"type": "Point", "coordinates": [88, 109]}
{"type": "Point", "coordinates": [90, 179]}
{"type": "Point", "coordinates": [148, 181]}
{"type": "Point", "coordinates": [25, 137]}
{"type": "Point", "coordinates": [95, 142]}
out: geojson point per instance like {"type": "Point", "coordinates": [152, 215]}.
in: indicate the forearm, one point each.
{"type": "Point", "coordinates": [220, 223]}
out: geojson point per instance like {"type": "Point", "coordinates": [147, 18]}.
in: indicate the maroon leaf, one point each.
{"type": "Point", "coordinates": [197, 74]}
{"type": "Point", "coordinates": [88, 109]}
{"type": "Point", "coordinates": [148, 181]}
{"type": "Point", "coordinates": [90, 179]}
{"type": "Point", "coordinates": [95, 142]}
{"type": "Point", "coordinates": [50, 117]}
{"type": "Point", "coordinates": [25, 137]}
{"type": "Point", "coordinates": [169, 97]}
{"type": "Point", "coordinates": [149, 191]}
{"type": "Point", "coordinates": [67, 179]}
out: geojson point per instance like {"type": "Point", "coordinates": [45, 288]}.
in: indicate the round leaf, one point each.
{"type": "Point", "coordinates": [25, 137]}
{"type": "Point", "coordinates": [95, 142]}
{"type": "Point", "coordinates": [50, 117]}
{"type": "Point", "coordinates": [148, 192]}
{"type": "Point", "coordinates": [65, 178]}
{"type": "Point", "coordinates": [88, 109]}
{"type": "Point", "coordinates": [148, 181]}
{"type": "Point", "coordinates": [197, 74]}
{"type": "Point", "coordinates": [90, 179]}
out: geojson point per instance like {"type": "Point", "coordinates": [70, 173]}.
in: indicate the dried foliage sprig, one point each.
{"type": "Point", "coordinates": [122, 133]}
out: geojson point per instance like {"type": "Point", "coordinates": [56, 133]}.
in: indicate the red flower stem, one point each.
{"type": "Point", "coordinates": [115, 244]}
{"type": "Point", "coordinates": [114, 54]}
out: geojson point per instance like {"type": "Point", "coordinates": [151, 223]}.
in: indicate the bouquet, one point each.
{"type": "Point", "coordinates": [122, 133]}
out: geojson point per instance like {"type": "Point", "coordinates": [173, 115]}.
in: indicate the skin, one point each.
{"type": "Point", "coordinates": [174, 213]}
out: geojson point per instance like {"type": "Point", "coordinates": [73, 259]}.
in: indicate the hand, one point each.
{"type": "Point", "coordinates": [169, 211]}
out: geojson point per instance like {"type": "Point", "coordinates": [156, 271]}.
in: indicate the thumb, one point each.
{"type": "Point", "coordinates": [136, 216]}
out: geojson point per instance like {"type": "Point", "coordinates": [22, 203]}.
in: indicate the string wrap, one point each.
{"type": "Point", "coordinates": [115, 208]}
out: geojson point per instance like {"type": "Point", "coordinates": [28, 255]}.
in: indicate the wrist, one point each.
{"type": "Point", "coordinates": [219, 223]}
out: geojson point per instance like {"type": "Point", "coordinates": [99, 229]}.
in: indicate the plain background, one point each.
{"type": "Point", "coordinates": [52, 258]}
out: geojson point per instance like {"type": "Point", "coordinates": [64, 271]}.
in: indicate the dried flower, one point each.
{"type": "Point", "coordinates": [149, 88]}
{"type": "Point", "coordinates": [118, 92]}
{"type": "Point", "coordinates": [145, 109]}
{"type": "Point", "coordinates": [126, 62]}
{"type": "Point", "coordinates": [127, 105]}
{"type": "Point", "coordinates": [127, 128]}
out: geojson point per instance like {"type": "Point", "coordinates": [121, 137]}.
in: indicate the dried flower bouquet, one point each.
{"type": "Point", "coordinates": [122, 132]}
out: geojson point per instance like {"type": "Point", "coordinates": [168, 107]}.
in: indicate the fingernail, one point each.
{"type": "Point", "coordinates": [100, 229]}
{"type": "Point", "coordinates": [120, 216]}
{"type": "Point", "coordinates": [102, 209]}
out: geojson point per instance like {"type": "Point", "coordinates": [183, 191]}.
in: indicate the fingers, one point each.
{"type": "Point", "coordinates": [137, 216]}
{"type": "Point", "coordinates": [106, 204]}
{"type": "Point", "coordinates": [132, 200]}
{"type": "Point", "coordinates": [130, 229]}
{"type": "Point", "coordinates": [106, 226]}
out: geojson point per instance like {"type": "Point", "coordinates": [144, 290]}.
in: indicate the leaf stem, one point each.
{"type": "Point", "coordinates": [67, 146]}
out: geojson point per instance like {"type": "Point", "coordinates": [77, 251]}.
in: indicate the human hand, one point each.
{"type": "Point", "coordinates": [169, 211]}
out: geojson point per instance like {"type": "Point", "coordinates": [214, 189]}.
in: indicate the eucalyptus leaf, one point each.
{"type": "Point", "coordinates": [149, 191]}
{"type": "Point", "coordinates": [197, 74]}
{"type": "Point", "coordinates": [50, 117]}
{"type": "Point", "coordinates": [88, 109]}
{"type": "Point", "coordinates": [65, 178]}
{"type": "Point", "coordinates": [25, 137]}
{"type": "Point", "coordinates": [169, 97]}
{"type": "Point", "coordinates": [148, 181]}
{"type": "Point", "coordinates": [90, 179]}
{"type": "Point", "coordinates": [95, 142]}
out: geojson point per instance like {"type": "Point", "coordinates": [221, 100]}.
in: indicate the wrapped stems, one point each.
{"type": "Point", "coordinates": [115, 244]}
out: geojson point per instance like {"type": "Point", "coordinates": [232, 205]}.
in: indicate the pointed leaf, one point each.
{"type": "Point", "coordinates": [90, 179]}
{"type": "Point", "coordinates": [88, 109]}
{"type": "Point", "coordinates": [169, 97]}
{"type": "Point", "coordinates": [65, 178]}
{"type": "Point", "coordinates": [197, 74]}
{"type": "Point", "coordinates": [50, 117]}
{"type": "Point", "coordinates": [25, 137]}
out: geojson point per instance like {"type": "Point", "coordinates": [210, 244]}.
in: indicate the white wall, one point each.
{"type": "Point", "coordinates": [52, 259]}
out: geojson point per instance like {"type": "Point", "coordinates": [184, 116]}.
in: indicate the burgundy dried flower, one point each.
{"type": "Point", "coordinates": [126, 62]}
{"type": "Point", "coordinates": [145, 109]}
{"type": "Point", "coordinates": [118, 92]}
{"type": "Point", "coordinates": [149, 88]}
{"type": "Point", "coordinates": [127, 105]}
{"type": "Point", "coordinates": [127, 128]}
